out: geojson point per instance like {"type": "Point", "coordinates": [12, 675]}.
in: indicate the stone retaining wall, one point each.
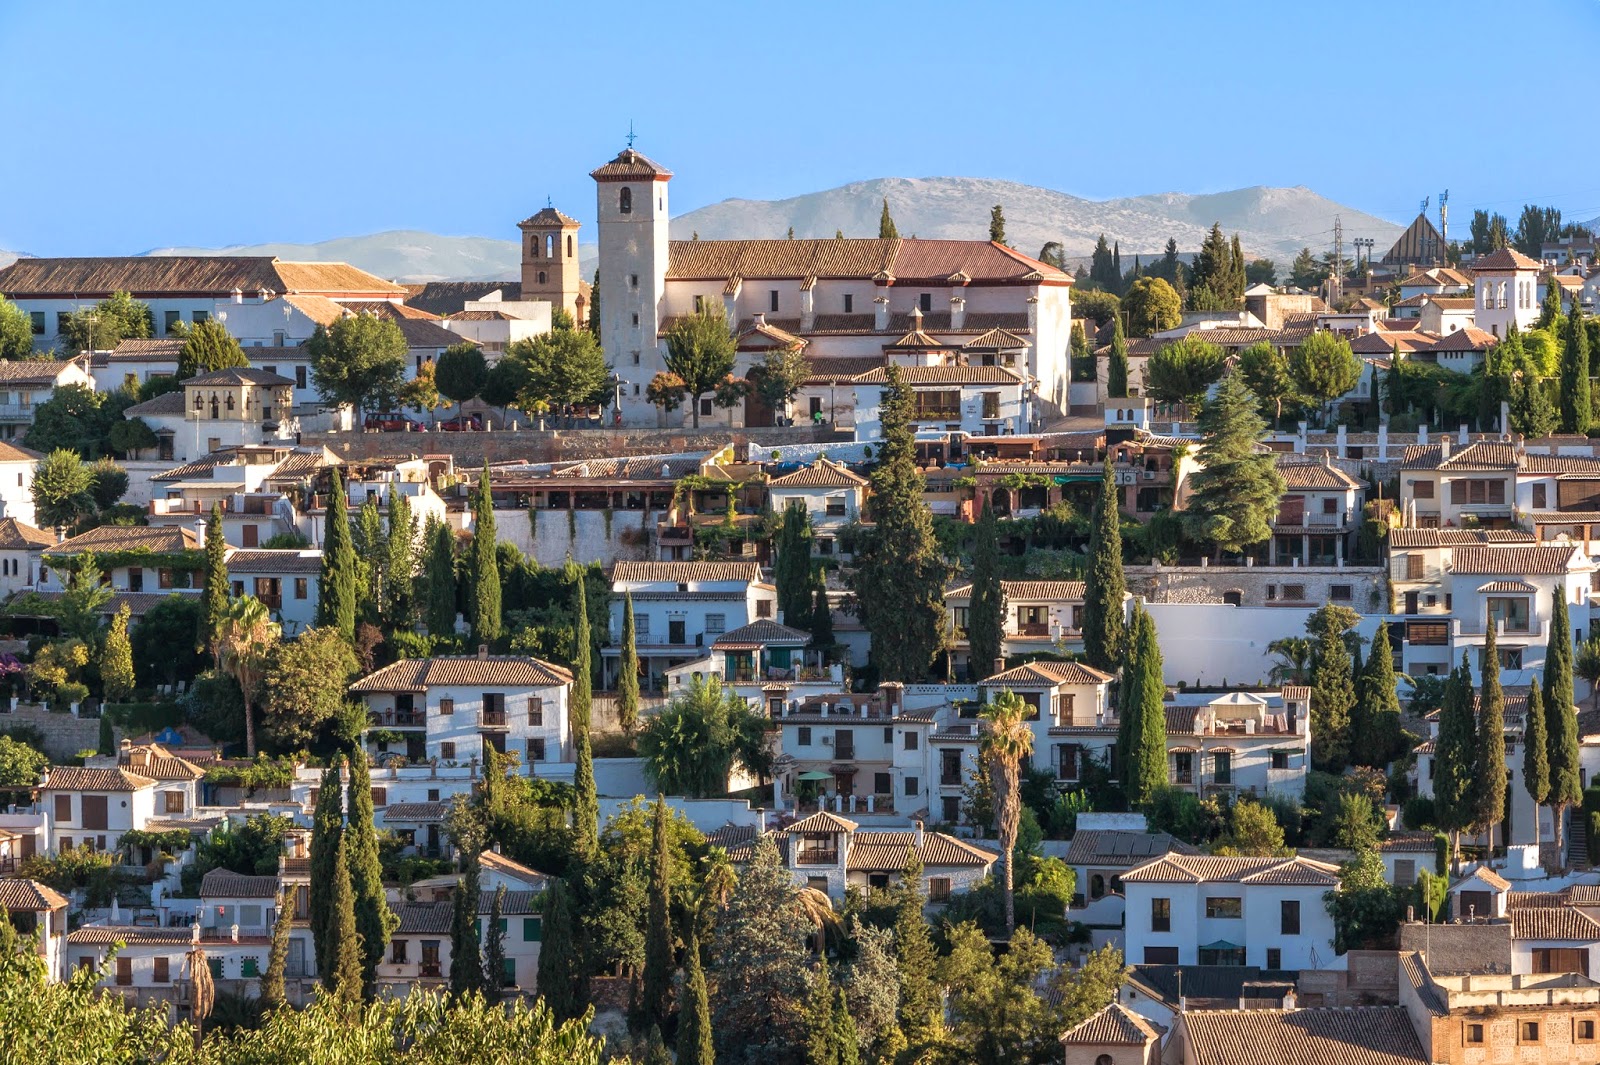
{"type": "Point", "coordinates": [64, 735]}
{"type": "Point", "coordinates": [562, 445]}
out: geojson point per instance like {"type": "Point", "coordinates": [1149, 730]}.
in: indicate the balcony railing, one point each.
{"type": "Point", "coordinates": [844, 750]}
{"type": "Point", "coordinates": [818, 856]}
{"type": "Point", "coordinates": [494, 719]}
{"type": "Point", "coordinates": [398, 718]}
{"type": "Point", "coordinates": [1034, 628]}
{"type": "Point", "coordinates": [949, 780]}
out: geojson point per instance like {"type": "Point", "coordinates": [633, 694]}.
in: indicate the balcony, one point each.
{"type": "Point", "coordinates": [397, 719]}
{"type": "Point", "coordinates": [817, 856]}
{"type": "Point", "coordinates": [1035, 628]}
{"type": "Point", "coordinates": [16, 412]}
{"type": "Point", "coordinates": [950, 780]}
{"type": "Point", "coordinates": [495, 719]}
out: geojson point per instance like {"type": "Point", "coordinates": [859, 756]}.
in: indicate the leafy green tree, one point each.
{"type": "Point", "coordinates": [485, 601]}
{"type": "Point", "coordinates": [791, 570]}
{"type": "Point", "coordinates": [1236, 493]}
{"type": "Point", "coordinates": [130, 436]}
{"type": "Point", "coordinates": [20, 765]}
{"type": "Point", "coordinates": [700, 354]}
{"type": "Point", "coordinates": [1265, 372]}
{"type": "Point", "coordinates": [1182, 371]}
{"type": "Point", "coordinates": [1550, 309]}
{"type": "Point", "coordinates": [327, 827]}
{"type": "Point", "coordinates": [561, 979]}
{"type": "Point", "coordinates": [587, 815]}
{"type": "Point", "coordinates": [823, 1043]}
{"type": "Point", "coordinates": [997, 1016]}
{"type": "Point", "coordinates": [16, 332]}
{"type": "Point", "coordinates": [1105, 586]}
{"type": "Point", "coordinates": [1323, 367]}
{"type": "Point", "coordinates": [1117, 363]}
{"type": "Point", "coordinates": [440, 578]}
{"type": "Point", "coordinates": [695, 1045]}
{"type": "Point", "coordinates": [209, 346]}
{"type": "Point", "coordinates": [628, 672]}
{"type": "Point", "coordinates": [466, 952]}
{"type": "Point", "coordinates": [107, 324]}
{"type": "Point", "coordinates": [1561, 722]}
{"type": "Point", "coordinates": [1253, 831]}
{"type": "Point", "coordinates": [359, 360]}
{"type": "Point", "coordinates": [1261, 272]}
{"type": "Point", "coordinates": [422, 391]}
{"type": "Point", "coordinates": [778, 376]}
{"type": "Point", "coordinates": [690, 747]}
{"type": "Point", "coordinates": [375, 922]}
{"type": "Point", "coordinates": [336, 587]}
{"type": "Point", "coordinates": [986, 607]}
{"type": "Point", "coordinates": [1365, 909]}
{"type": "Point", "coordinates": [758, 964]}
{"type": "Point", "coordinates": [108, 483]}
{"type": "Point", "coordinates": [886, 227]}
{"type": "Point", "coordinates": [1535, 755]}
{"type": "Point", "coordinates": [656, 1004]}
{"type": "Point", "coordinates": [554, 372]}
{"type": "Point", "coordinates": [77, 418]}
{"type": "Point", "coordinates": [164, 649]}
{"type": "Point", "coordinates": [1143, 750]}
{"type": "Point", "coordinates": [1535, 226]}
{"type": "Point", "coordinates": [1153, 306]}
{"type": "Point", "coordinates": [116, 659]}
{"type": "Point", "coordinates": [1532, 413]}
{"type": "Point", "coordinates": [900, 572]}
{"type": "Point", "coordinates": [400, 568]}
{"type": "Point", "coordinates": [461, 373]}
{"type": "Point", "coordinates": [1454, 756]}
{"type": "Point", "coordinates": [273, 995]}
{"type": "Point", "coordinates": [1576, 413]}
{"type": "Point", "coordinates": [62, 495]}
{"type": "Point", "coordinates": [1333, 698]}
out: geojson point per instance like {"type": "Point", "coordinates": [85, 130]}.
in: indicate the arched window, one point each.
{"type": "Point", "coordinates": [199, 401]}
{"type": "Point", "coordinates": [549, 246]}
{"type": "Point", "coordinates": [1097, 886]}
{"type": "Point", "coordinates": [569, 245]}
{"type": "Point", "coordinates": [541, 277]}
{"type": "Point", "coordinates": [533, 247]}
{"type": "Point", "coordinates": [625, 201]}
{"type": "Point", "coordinates": [214, 406]}
{"type": "Point", "coordinates": [1104, 1059]}
{"type": "Point", "coordinates": [227, 401]}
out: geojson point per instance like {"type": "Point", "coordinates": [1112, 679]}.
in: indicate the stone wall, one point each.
{"type": "Point", "coordinates": [64, 735]}
{"type": "Point", "coordinates": [1215, 584]}
{"type": "Point", "coordinates": [562, 445]}
{"type": "Point", "coordinates": [584, 535]}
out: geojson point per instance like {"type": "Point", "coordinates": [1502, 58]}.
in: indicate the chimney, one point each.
{"type": "Point", "coordinates": [200, 532]}
{"type": "Point", "coordinates": [483, 651]}
{"type": "Point", "coordinates": [919, 833]}
{"type": "Point", "coordinates": [999, 666]}
{"type": "Point", "coordinates": [880, 314]}
{"type": "Point", "coordinates": [1461, 435]}
{"type": "Point", "coordinates": [761, 820]}
{"type": "Point", "coordinates": [194, 930]}
{"type": "Point", "coordinates": [761, 319]}
{"type": "Point", "coordinates": [238, 294]}
{"type": "Point", "coordinates": [916, 319]}
{"type": "Point", "coordinates": [1444, 447]}
{"type": "Point", "coordinates": [1289, 1000]}
{"type": "Point", "coordinates": [126, 743]}
{"type": "Point", "coordinates": [958, 311]}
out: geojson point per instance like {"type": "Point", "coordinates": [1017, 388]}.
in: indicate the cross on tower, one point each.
{"type": "Point", "coordinates": [630, 133]}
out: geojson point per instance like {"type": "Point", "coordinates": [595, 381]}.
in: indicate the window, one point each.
{"type": "Point", "coordinates": [1422, 490]}
{"type": "Point", "coordinates": [532, 929]}
{"type": "Point", "coordinates": [535, 750]}
{"type": "Point", "coordinates": [535, 710]}
{"type": "Point", "coordinates": [447, 751]}
{"type": "Point", "coordinates": [1280, 760]}
{"type": "Point", "coordinates": [716, 624]}
{"type": "Point", "coordinates": [913, 786]}
{"type": "Point", "coordinates": [925, 302]}
{"type": "Point", "coordinates": [1428, 633]}
{"type": "Point", "coordinates": [1183, 768]}
{"type": "Point", "coordinates": [447, 706]}
{"type": "Point", "coordinates": [911, 740]}
{"type": "Point", "coordinates": [625, 201]}
{"type": "Point", "coordinates": [633, 280]}
{"type": "Point", "coordinates": [676, 631]}
{"type": "Point", "coordinates": [430, 957]}
{"type": "Point", "coordinates": [802, 736]}
{"type": "Point", "coordinates": [63, 807]}
{"type": "Point", "coordinates": [63, 319]}
{"type": "Point", "coordinates": [849, 307]}
{"type": "Point", "coordinates": [169, 319]}
{"type": "Point", "coordinates": [1413, 567]}
{"type": "Point", "coordinates": [764, 608]}
{"type": "Point", "coordinates": [300, 587]}
{"type": "Point", "coordinates": [1341, 593]}
{"type": "Point", "coordinates": [174, 802]}
{"type": "Point", "coordinates": [1274, 958]}
{"type": "Point", "coordinates": [1161, 955]}
{"type": "Point", "coordinates": [1289, 917]}
{"type": "Point", "coordinates": [772, 301]}
{"type": "Point", "coordinates": [1509, 613]}
{"type": "Point", "coordinates": [705, 408]}
{"type": "Point", "coordinates": [398, 955]}
{"type": "Point", "coordinates": [1222, 768]}
{"type": "Point", "coordinates": [1540, 500]}
{"type": "Point", "coordinates": [1477, 492]}
{"type": "Point", "coordinates": [818, 883]}
{"type": "Point", "coordinates": [36, 321]}
{"type": "Point", "coordinates": [938, 888]}
{"type": "Point", "coordinates": [1528, 1032]}
{"type": "Point", "coordinates": [1330, 506]}
{"type": "Point", "coordinates": [882, 784]}
{"type": "Point", "coordinates": [1226, 907]}
{"type": "Point", "coordinates": [991, 404]}
{"type": "Point", "coordinates": [201, 317]}
{"type": "Point", "coordinates": [249, 967]}
{"type": "Point", "coordinates": [1295, 592]}
{"type": "Point", "coordinates": [162, 973]}
{"type": "Point", "coordinates": [1583, 1032]}
{"type": "Point", "coordinates": [1160, 915]}
{"type": "Point", "coordinates": [636, 320]}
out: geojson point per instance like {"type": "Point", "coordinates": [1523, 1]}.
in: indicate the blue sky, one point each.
{"type": "Point", "coordinates": [135, 125]}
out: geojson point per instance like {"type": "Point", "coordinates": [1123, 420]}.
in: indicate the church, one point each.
{"type": "Point", "coordinates": [953, 309]}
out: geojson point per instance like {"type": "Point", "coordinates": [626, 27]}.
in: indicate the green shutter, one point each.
{"type": "Point", "coordinates": [248, 968]}
{"type": "Point", "coordinates": [215, 965]}
{"type": "Point", "coordinates": [509, 968]}
{"type": "Point", "coordinates": [532, 929]}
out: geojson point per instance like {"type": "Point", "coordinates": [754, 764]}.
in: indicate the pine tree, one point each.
{"type": "Point", "coordinates": [900, 572]}
{"type": "Point", "coordinates": [1104, 586]}
{"type": "Point", "coordinates": [441, 579]}
{"type": "Point", "coordinates": [1102, 267]}
{"type": "Point", "coordinates": [1454, 756]}
{"type": "Point", "coordinates": [759, 963]}
{"type": "Point", "coordinates": [494, 950]}
{"type": "Point", "coordinates": [628, 672]}
{"type": "Point", "coordinates": [1375, 719]}
{"type": "Point", "coordinates": [1144, 757]}
{"type": "Point", "coordinates": [1561, 722]}
{"type": "Point", "coordinates": [214, 597]}
{"type": "Point", "coordinates": [400, 569]}
{"type": "Point", "coordinates": [655, 1005]}
{"type": "Point", "coordinates": [694, 1009]}
{"type": "Point", "coordinates": [1576, 413]}
{"type": "Point", "coordinates": [986, 608]}
{"type": "Point", "coordinates": [791, 570]}
{"type": "Point", "coordinates": [485, 601]}
{"type": "Point", "coordinates": [336, 588]}
{"type": "Point", "coordinates": [886, 229]}
{"type": "Point", "coordinates": [1332, 699]}
{"type": "Point", "coordinates": [997, 224]}
{"type": "Point", "coordinates": [921, 1005]}
{"type": "Point", "coordinates": [1536, 757]}
{"type": "Point", "coordinates": [1236, 493]}
{"type": "Point", "coordinates": [560, 969]}
{"type": "Point", "coordinates": [374, 920]}
{"type": "Point", "coordinates": [587, 814]}
{"type": "Point", "coordinates": [344, 979]}
{"type": "Point", "coordinates": [1489, 757]}
{"type": "Point", "coordinates": [1117, 363]}
{"type": "Point", "coordinates": [327, 828]}
{"type": "Point", "coordinates": [466, 949]}
{"type": "Point", "coordinates": [273, 994]}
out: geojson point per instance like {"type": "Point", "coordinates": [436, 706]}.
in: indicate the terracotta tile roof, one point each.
{"type": "Point", "coordinates": [630, 164]}
{"type": "Point", "coordinates": [166, 404]}
{"type": "Point", "coordinates": [766, 330]}
{"type": "Point", "coordinates": [1366, 1035]}
{"type": "Point", "coordinates": [689, 572]}
{"type": "Point", "coordinates": [1479, 455]}
{"type": "Point", "coordinates": [1518, 900]}
{"type": "Point", "coordinates": [286, 560]}
{"type": "Point", "coordinates": [1235, 335]}
{"type": "Point", "coordinates": [1054, 590]}
{"type": "Point", "coordinates": [101, 935]}
{"type": "Point", "coordinates": [1448, 303]}
{"type": "Point", "coordinates": [730, 837]}
{"type": "Point", "coordinates": [1406, 842]}
{"type": "Point", "coordinates": [10, 452]}
{"type": "Point", "coordinates": [499, 863]}
{"type": "Point", "coordinates": [1116, 1025]}
{"type": "Point", "coordinates": [76, 778]}
{"type": "Point", "coordinates": [823, 821]}
{"type": "Point", "coordinates": [1560, 923]}
{"type": "Point", "coordinates": [15, 536]}
{"type": "Point", "coordinates": [425, 918]}
{"type": "Point", "coordinates": [978, 260]}
{"type": "Point", "coordinates": [29, 895]}
{"type": "Point", "coordinates": [153, 349]}
{"type": "Point", "coordinates": [820, 474]}
{"type": "Point", "coordinates": [445, 298]}
{"type": "Point", "coordinates": [159, 763]}
{"type": "Point", "coordinates": [1503, 259]}
{"type": "Point", "coordinates": [1122, 848]}
{"type": "Point", "coordinates": [1402, 340]}
{"type": "Point", "coordinates": [199, 275]}
{"type": "Point", "coordinates": [1483, 874]}
{"type": "Point", "coordinates": [997, 339]}
{"type": "Point", "coordinates": [945, 375]}
{"type": "Point", "coordinates": [1414, 970]}
{"type": "Point", "coordinates": [420, 812]}
{"type": "Point", "coordinates": [1298, 473]}
{"type": "Point", "coordinates": [1456, 537]}
{"type": "Point", "coordinates": [909, 260]}
{"type": "Point", "coordinates": [319, 309]}
{"type": "Point", "coordinates": [841, 368]}
{"type": "Point", "coordinates": [1035, 674]}
{"type": "Point", "coordinates": [515, 903]}
{"type": "Point", "coordinates": [1507, 586]}
{"type": "Point", "coordinates": [227, 884]}
{"type": "Point", "coordinates": [158, 539]}
{"type": "Point", "coordinates": [547, 217]}
{"type": "Point", "coordinates": [1533, 462]}
{"type": "Point", "coordinates": [761, 632]}
{"type": "Point", "coordinates": [1519, 559]}
{"type": "Point", "coordinates": [1196, 869]}
{"type": "Point", "coordinates": [241, 375]}
{"type": "Point", "coordinates": [32, 371]}
{"type": "Point", "coordinates": [1470, 338]}
{"type": "Point", "coordinates": [504, 671]}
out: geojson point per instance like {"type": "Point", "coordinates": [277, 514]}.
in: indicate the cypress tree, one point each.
{"type": "Point", "coordinates": [214, 597]}
{"type": "Point", "coordinates": [1536, 757]}
{"type": "Point", "coordinates": [694, 1009]}
{"type": "Point", "coordinates": [1561, 722]}
{"type": "Point", "coordinates": [336, 588]}
{"type": "Point", "coordinates": [327, 828]}
{"type": "Point", "coordinates": [466, 951]}
{"type": "Point", "coordinates": [821, 1045]}
{"type": "Point", "coordinates": [1235, 289]}
{"type": "Point", "coordinates": [441, 579]}
{"type": "Point", "coordinates": [587, 814]}
{"type": "Point", "coordinates": [345, 950]}
{"type": "Point", "coordinates": [1489, 755]}
{"type": "Point", "coordinates": [1144, 704]}
{"type": "Point", "coordinates": [485, 601]}
{"type": "Point", "coordinates": [846, 1040]}
{"type": "Point", "coordinates": [997, 224]}
{"type": "Point", "coordinates": [628, 672]}
{"type": "Point", "coordinates": [791, 571]}
{"type": "Point", "coordinates": [1375, 721]}
{"type": "Point", "coordinates": [374, 920]}
{"type": "Point", "coordinates": [560, 976]}
{"type": "Point", "coordinates": [821, 609]}
{"type": "Point", "coordinates": [494, 950]}
{"type": "Point", "coordinates": [886, 227]}
{"type": "Point", "coordinates": [372, 554]}
{"type": "Point", "coordinates": [273, 994]}
{"type": "Point", "coordinates": [921, 1005]}
{"type": "Point", "coordinates": [1332, 697]}
{"type": "Point", "coordinates": [400, 569]}
{"type": "Point", "coordinates": [1454, 755]}
{"type": "Point", "coordinates": [1083, 361]}
{"type": "Point", "coordinates": [1550, 309]}
{"type": "Point", "coordinates": [1576, 413]}
{"type": "Point", "coordinates": [1104, 586]}
{"type": "Point", "coordinates": [656, 1004]}
{"type": "Point", "coordinates": [1117, 363]}
{"type": "Point", "coordinates": [986, 608]}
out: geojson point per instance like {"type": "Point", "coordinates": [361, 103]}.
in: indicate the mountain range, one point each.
{"type": "Point", "coordinates": [1272, 223]}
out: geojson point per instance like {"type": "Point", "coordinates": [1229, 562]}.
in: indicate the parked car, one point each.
{"type": "Point", "coordinates": [394, 423]}
{"type": "Point", "coordinates": [466, 423]}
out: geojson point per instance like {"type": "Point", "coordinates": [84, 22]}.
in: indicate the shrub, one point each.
{"type": "Point", "coordinates": [1417, 812]}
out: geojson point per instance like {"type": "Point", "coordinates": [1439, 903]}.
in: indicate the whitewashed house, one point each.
{"type": "Point", "coordinates": [137, 558]}
{"type": "Point", "coordinates": [94, 807]}
{"type": "Point", "coordinates": [833, 496]}
{"type": "Point", "coordinates": [1505, 284]}
{"type": "Point", "coordinates": [220, 409]}
{"type": "Point", "coordinates": [38, 910]}
{"type": "Point", "coordinates": [26, 384]}
{"type": "Point", "coordinates": [681, 608]}
{"type": "Point", "coordinates": [21, 547]}
{"type": "Point", "coordinates": [284, 580]}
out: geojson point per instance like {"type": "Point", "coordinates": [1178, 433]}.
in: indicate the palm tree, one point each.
{"type": "Point", "coordinates": [819, 910]}
{"type": "Point", "coordinates": [1294, 654]}
{"type": "Point", "coordinates": [202, 992]}
{"type": "Point", "coordinates": [248, 633]}
{"type": "Point", "coordinates": [1587, 666]}
{"type": "Point", "coordinates": [1006, 743]}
